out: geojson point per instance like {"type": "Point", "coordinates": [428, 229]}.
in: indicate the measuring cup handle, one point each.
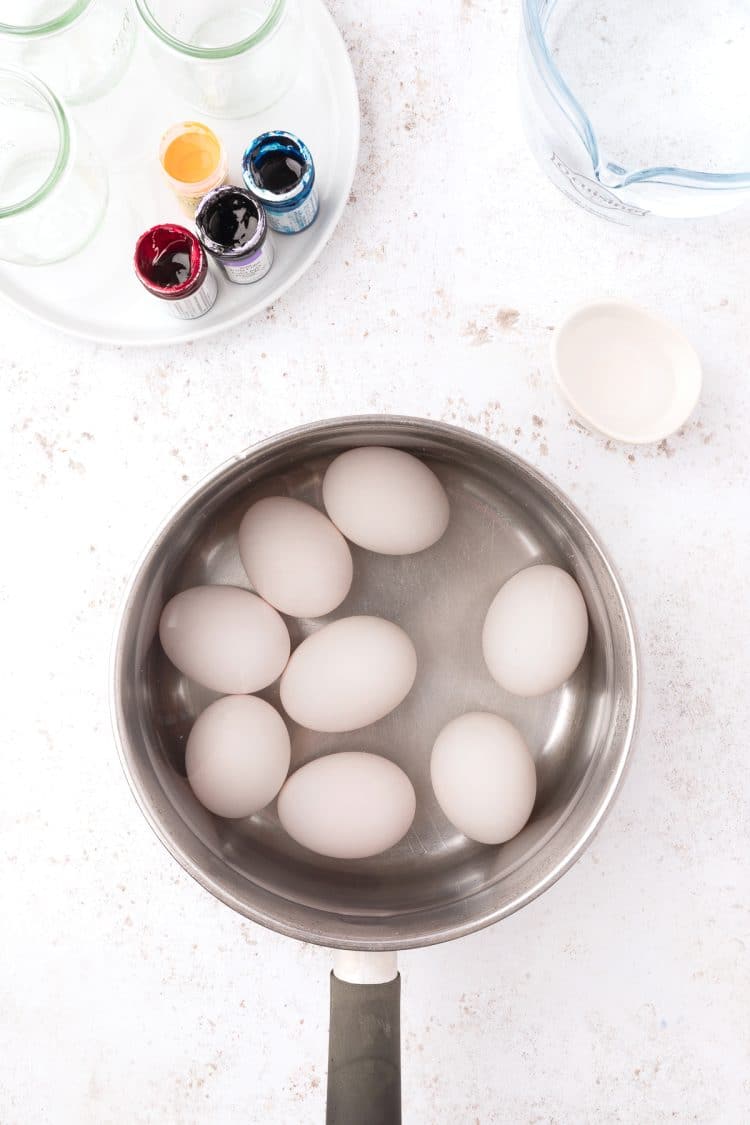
{"type": "Point", "coordinates": [364, 1053]}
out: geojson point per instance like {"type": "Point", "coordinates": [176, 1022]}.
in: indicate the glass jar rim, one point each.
{"type": "Point", "coordinates": [196, 52]}
{"type": "Point", "coordinates": [64, 140]}
{"type": "Point", "coordinates": [48, 27]}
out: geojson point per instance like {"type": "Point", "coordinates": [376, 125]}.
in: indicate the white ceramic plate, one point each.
{"type": "Point", "coordinates": [95, 294]}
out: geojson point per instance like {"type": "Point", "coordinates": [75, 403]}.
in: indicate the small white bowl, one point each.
{"type": "Point", "coordinates": [625, 371]}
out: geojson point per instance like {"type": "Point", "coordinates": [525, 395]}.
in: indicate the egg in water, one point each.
{"type": "Point", "coordinates": [294, 556]}
{"type": "Point", "coordinates": [348, 674]}
{"type": "Point", "coordinates": [225, 638]}
{"type": "Point", "coordinates": [349, 805]}
{"type": "Point", "coordinates": [237, 755]}
{"type": "Point", "coordinates": [483, 776]}
{"type": "Point", "coordinates": [535, 631]}
{"type": "Point", "coordinates": [385, 500]}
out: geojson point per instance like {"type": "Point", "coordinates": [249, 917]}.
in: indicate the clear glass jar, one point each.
{"type": "Point", "coordinates": [53, 185]}
{"type": "Point", "coordinates": [637, 109]}
{"type": "Point", "coordinates": [225, 59]}
{"type": "Point", "coordinates": [80, 47]}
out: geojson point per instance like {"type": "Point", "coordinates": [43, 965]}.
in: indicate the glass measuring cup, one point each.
{"type": "Point", "coordinates": [81, 47]}
{"type": "Point", "coordinates": [228, 59]}
{"type": "Point", "coordinates": [637, 109]}
{"type": "Point", "coordinates": [53, 185]}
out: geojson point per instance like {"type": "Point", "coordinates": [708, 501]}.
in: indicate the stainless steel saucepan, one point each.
{"type": "Point", "coordinates": [436, 884]}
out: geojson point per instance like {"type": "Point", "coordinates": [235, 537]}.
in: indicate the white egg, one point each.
{"type": "Point", "coordinates": [535, 631]}
{"type": "Point", "coordinates": [348, 805]}
{"type": "Point", "coordinates": [294, 556]}
{"type": "Point", "coordinates": [385, 500]}
{"type": "Point", "coordinates": [225, 638]}
{"type": "Point", "coordinates": [483, 777]}
{"type": "Point", "coordinates": [237, 755]}
{"type": "Point", "coordinates": [349, 674]}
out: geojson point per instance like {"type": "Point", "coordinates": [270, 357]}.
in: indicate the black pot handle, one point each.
{"type": "Point", "coordinates": [364, 1053]}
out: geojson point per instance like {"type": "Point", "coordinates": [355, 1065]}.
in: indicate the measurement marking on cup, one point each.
{"type": "Point", "coordinates": [593, 191]}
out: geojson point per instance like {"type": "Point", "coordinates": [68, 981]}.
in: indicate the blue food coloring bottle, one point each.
{"type": "Point", "coordinates": [278, 169]}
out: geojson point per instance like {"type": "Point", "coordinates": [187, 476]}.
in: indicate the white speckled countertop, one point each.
{"type": "Point", "coordinates": [127, 994]}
